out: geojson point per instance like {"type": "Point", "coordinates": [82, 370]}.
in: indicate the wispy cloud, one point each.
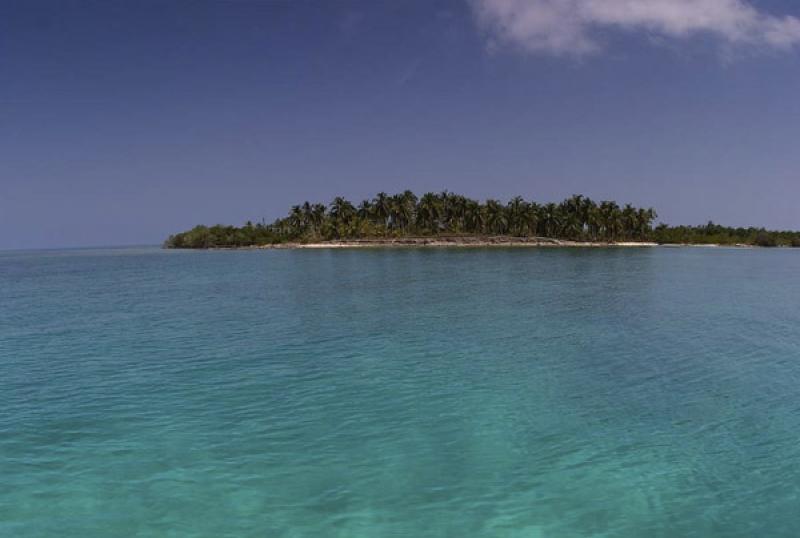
{"type": "Point", "coordinates": [573, 27]}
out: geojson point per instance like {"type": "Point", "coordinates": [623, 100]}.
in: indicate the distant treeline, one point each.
{"type": "Point", "coordinates": [714, 234]}
{"type": "Point", "coordinates": [577, 218]}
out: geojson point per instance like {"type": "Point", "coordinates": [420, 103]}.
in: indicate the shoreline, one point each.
{"type": "Point", "coordinates": [468, 242]}
{"type": "Point", "coordinates": [443, 242]}
{"type": "Point", "coordinates": [465, 242]}
{"type": "Point", "coordinates": [355, 244]}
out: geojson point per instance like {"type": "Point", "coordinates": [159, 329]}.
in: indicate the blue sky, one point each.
{"type": "Point", "coordinates": [121, 122]}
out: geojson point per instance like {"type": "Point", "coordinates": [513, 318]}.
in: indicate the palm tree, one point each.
{"type": "Point", "coordinates": [296, 220]}
{"type": "Point", "coordinates": [532, 218]}
{"type": "Point", "coordinates": [382, 206]}
{"type": "Point", "coordinates": [496, 217]}
{"type": "Point", "coordinates": [365, 210]}
{"type": "Point", "coordinates": [428, 212]}
{"type": "Point", "coordinates": [317, 217]}
{"type": "Point", "coordinates": [406, 208]}
{"type": "Point", "coordinates": [474, 217]}
{"type": "Point", "coordinates": [458, 206]}
{"type": "Point", "coordinates": [402, 214]}
{"type": "Point", "coordinates": [644, 222]}
{"type": "Point", "coordinates": [593, 221]}
{"type": "Point", "coordinates": [573, 223]}
{"type": "Point", "coordinates": [342, 213]}
{"type": "Point", "coordinates": [517, 209]}
{"type": "Point", "coordinates": [629, 224]}
{"type": "Point", "coordinates": [551, 220]}
{"type": "Point", "coordinates": [395, 203]}
{"type": "Point", "coordinates": [307, 220]}
{"type": "Point", "coordinates": [610, 219]}
{"type": "Point", "coordinates": [588, 210]}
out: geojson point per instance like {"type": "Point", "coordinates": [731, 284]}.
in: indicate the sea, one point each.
{"type": "Point", "coordinates": [453, 392]}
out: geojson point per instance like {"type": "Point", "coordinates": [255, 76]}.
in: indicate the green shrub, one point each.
{"type": "Point", "coordinates": [764, 239]}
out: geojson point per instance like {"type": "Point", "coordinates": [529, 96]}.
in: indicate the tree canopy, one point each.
{"type": "Point", "coordinates": [577, 218]}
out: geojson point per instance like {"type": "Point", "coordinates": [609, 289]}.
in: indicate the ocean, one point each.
{"type": "Point", "coordinates": [387, 392]}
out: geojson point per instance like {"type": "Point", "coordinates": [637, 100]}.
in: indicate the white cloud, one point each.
{"type": "Point", "coordinates": [572, 26]}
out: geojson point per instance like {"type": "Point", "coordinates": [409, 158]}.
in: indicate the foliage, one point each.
{"type": "Point", "coordinates": [404, 215]}
{"type": "Point", "coordinates": [224, 236]}
{"type": "Point", "coordinates": [722, 235]}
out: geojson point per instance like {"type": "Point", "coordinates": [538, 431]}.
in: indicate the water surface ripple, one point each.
{"type": "Point", "coordinates": [371, 393]}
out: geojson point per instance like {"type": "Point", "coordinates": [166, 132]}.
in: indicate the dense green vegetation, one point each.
{"type": "Point", "coordinates": [577, 218]}
{"type": "Point", "coordinates": [711, 234]}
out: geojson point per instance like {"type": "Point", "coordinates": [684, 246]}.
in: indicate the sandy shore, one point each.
{"type": "Point", "coordinates": [477, 242]}
{"type": "Point", "coordinates": [469, 242]}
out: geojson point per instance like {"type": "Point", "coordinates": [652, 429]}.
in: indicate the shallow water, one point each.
{"type": "Point", "coordinates": [370, 393]}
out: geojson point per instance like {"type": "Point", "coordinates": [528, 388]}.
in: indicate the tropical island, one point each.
{"type": "Point", "coordinates": [442, 219]}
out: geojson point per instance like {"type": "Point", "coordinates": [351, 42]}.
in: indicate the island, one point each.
{"type": "Point", "coordinates": [449, 219]}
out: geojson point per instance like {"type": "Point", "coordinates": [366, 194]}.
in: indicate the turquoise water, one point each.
{"type": "Point", "coordinates": [371, 393]}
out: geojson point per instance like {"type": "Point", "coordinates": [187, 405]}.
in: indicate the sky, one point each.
{"type": "Point", "coordinates": [122, 122]}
